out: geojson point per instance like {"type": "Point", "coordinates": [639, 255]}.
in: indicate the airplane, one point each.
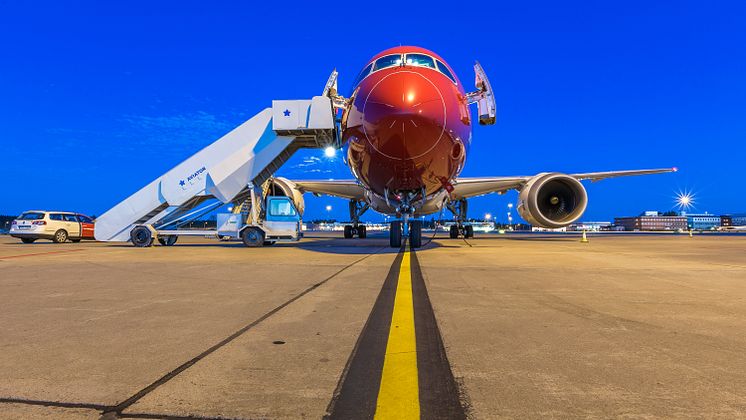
{"type": "Point", "coordinates": [406, 131]}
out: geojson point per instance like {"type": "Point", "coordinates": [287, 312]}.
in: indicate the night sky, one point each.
{"type": "Point", "coordinates": [98, 99]}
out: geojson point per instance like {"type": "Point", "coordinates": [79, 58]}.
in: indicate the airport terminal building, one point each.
{"type": "Point", "coordinates": [651, 222]}
{"type": "Point", "coordinates": [703, 221]}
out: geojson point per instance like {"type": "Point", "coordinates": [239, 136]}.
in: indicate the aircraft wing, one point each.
{"type": "Point", "coordinates": [471, 187]}
{"type": "Point", "coordinates": [349, 189]}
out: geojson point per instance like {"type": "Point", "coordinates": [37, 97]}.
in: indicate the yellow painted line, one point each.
{"type": "Point", "coordinates": [399, 395]}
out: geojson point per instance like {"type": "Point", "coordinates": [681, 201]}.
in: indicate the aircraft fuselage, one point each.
{"type": "Point", "coordinates": [407, 130]}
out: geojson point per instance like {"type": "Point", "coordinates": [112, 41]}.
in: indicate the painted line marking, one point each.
{"type": "Point", "coordinates": [40, 253]}
{"type": "Point", "coordinates": [398, 395]}
{"type": "Point", "coordinates": [398, 368]}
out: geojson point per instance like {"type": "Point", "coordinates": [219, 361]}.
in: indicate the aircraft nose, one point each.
{"type": "Point", "coordinates": [404, 115]}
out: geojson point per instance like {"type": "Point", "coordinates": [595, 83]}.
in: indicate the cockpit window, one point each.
{"type": "Point", "coordinates": [420, 60]}
{"type": "Point", "coordinates": [443, 69]}
{"type": "Point", "coordinates": [387, 61]}
{"type": "Point", "coordinates": [362, 74]}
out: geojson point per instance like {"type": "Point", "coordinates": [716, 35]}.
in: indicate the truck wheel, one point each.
{"type": "Point", "coordinates": [395, 234]}
{"type": "Point", "coordinates": [60, 236]}
{"type": "Point", "coordinates": [362, 232]}
{"type": "Point", "coordinates": [167, 240]}
{"type": "Point", "coordinates": [348, 232]}
{"type": "Point", "coordinates": [415, 233]}
{"type": "Point", "coordinates": [28, 240]}
{"type": "Point", "coordinates": [252, 237]}
{"type": "Point", "coordinates": [141, 237]}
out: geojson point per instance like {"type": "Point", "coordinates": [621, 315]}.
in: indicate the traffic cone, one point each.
{"type": "Point", "coordinates": [584, 239]}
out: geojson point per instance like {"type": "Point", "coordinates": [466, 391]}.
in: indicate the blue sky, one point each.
{"type": "Point", "coordinates": [99, 98]}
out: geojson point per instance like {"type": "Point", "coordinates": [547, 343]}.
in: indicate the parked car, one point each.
{"type": "Point", "coordinates": [59, 226]}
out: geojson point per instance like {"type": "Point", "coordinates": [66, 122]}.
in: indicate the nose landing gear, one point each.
{"type": "Point", "coordinates": [408, 228]}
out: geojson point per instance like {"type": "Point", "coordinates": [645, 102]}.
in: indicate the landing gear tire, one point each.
{"type": "Point", "coordinates": [469, 231]}
{"type": "Point", "coordinates": [141, 237]}
{"type": "Point", "coordinates": [415, 233]}
{"type": "Point", "coordinates": [28, 240]}
{"type": "Point", "coordinates": [348, 232]}
{"type": "Point", "coordinates": [252, 237]}
{"type": "Point", "coordinates": [362, 232]}
{"type": "Point", "coordinates": [167, 240]}
{"type": "Point", "coordinates": [453, 232]}
{"type": "Point", "coordinates": [60, 236]}
{"type": "Point", "coordinates": [395, 235]}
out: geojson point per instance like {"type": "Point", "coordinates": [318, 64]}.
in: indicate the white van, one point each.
{"type": "Point", "coordinates": [59, 226]}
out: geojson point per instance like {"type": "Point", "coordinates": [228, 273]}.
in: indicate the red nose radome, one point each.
{"type": "Point", "coordinates": [404, 115]}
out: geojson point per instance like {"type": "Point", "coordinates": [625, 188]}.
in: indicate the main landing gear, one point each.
{"type": "Point", "coordinates": [458, 208]}
{"type": "Point", "coordinates": [399, 229]}
{"type": "Point", "coordinates": [357, 209]}
{"type": "Point", "coordinates": [467, 231]}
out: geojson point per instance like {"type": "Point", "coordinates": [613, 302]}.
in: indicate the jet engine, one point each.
{"type": "Point", "coordinates": [286, 188]}
{"type": "Point", "coordinates": [552, 200]}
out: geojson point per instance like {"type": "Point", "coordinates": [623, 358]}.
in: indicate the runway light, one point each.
{"type": "Point", "coordinates": [330, 152]}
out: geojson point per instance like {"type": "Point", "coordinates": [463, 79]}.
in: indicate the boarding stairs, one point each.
{"type": "Point", "coordinates": [227, 170]}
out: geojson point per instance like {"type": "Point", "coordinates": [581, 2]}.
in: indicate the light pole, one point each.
{"type": "Point", "coordinates": [510, 217]}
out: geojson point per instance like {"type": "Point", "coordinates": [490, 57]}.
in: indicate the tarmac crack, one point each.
{"type": "Point", "coordinates": [110, 412]}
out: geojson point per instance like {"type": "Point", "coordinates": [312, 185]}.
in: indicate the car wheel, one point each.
{"type": "Point", "coordinates": [28, 240]}
{"type": "Point", "coordinates": [252, 237]}
{"type": "Point", "coordinates": [60, 236]}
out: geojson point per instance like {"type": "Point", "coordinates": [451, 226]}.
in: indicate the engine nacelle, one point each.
{"type": "Point", "coordinates": [552, 200]}
{"type": "Point", "coordinates": [287, 188]}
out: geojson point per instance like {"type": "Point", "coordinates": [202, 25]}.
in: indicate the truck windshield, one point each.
{"type": "Point", "coordinates": [281, 208]}
{"type": "Point", "coordinates": [31, 216]}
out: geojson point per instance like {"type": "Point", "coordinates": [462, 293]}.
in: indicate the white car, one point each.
{"type": "Point", "coordinates": [59, 226]}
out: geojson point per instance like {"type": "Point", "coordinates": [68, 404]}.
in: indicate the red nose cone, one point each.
{"type": "Point", "coordinates": [404, 115]}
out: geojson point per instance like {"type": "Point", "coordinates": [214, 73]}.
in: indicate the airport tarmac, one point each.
{"type": "Point", "coordinates": [516, 326]}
